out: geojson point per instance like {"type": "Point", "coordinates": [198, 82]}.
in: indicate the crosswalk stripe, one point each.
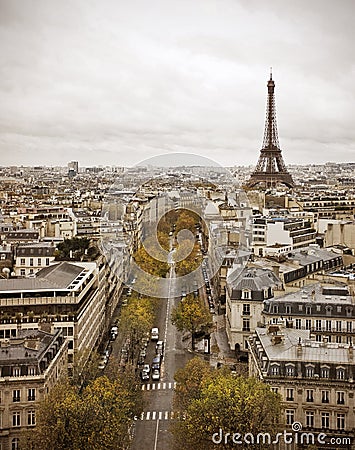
{"type": "Point", "coordinates": [161, 415]}
{"type": "Point", "coordinates": [158, 386]}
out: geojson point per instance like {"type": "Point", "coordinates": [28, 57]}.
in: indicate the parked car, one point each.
{"type": "Point", "coordinates": [155, 375]}
{"type": "Point", "coordinates": [144, 375]}
{"type": "Point", "coordinates": [146, 368]}
{"type": "Point", "coordinates": [156, 362]}
{"type": "Point", "coordinates": [159, 348]}
{"type": "Point", "coordinates": [154, 334]}
{"type": "Point", "coordinates": [145, 372]}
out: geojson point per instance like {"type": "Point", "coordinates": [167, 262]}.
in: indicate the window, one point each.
{"type": "Point", "coordinates": [275, 390]}
{"type": "Point", "coordinates": [338, 325]}
{"type": "Point", "coordinates": [324, 372]}
{"type": "Point", "coordinates": [246, 325]}
{"type": "Point", "coordinates": [338, 339]}
{"type": "Point", "coordinates": [308, 310]}
{"type": "Point", "coordinates": [318, 325]}
{"type": "Point", "coordinates": [275, 309]}
{"type": "Point", "coordinates": [47, 261]}
{"type": "Point", "coordinates": [31, 371]}
{"type": "Point", "coordinates": [16, 419]}
{"type": "Point", "coordinates": [328, 325]}
{"type": "Point", "coordinates": [340, 398]}
{"type": "Point", "coordinates": [310, 419]}
{"type": "Point", "coordinates": [31, 394]}
{"type": "Point", "coordinates": [246, 309]}
{"type": "Point", "coordinates": [15, 442]}
{"type": "Point", "coordinates": [23, 272]}
{"type": "Point", "coordinates": [290, 416]}
{"type": "Point", "coordinates": [289, 395]}
{"type": "Point", "coordinates": [308, 324]}
{"type": "Point", "coordinates": [309, 395]}
{"type": "Point", "coordinates": [339, 309]}
{"type": "Point", "coordinates": [340, 421]}
{"type": "Point", "coordinates": [290, 371]}
{"type": "Point", "coordinates": [288, 309]}
{"type": "Point", "coordinates": [325, 396]}
{"type": "Point", "coordinates": [39, 262]}
{"type": "Point", "coordinates": [246, 294]}
{"type": "Point", "coordinates": [340, 374]}
{"type": "Point", "coordinates": [300, 307]}
{"type": "Point", "coordinates": [274, 370]}
{"type": "Point", "coordinates": [31, 262]}
{"type": "Point", "coordinates": [16, 395]}
{"type": "Point", "coordinates": [309, 371]}
{"type": "Point", "coordinates": [298, 324]}
{"type": "Point", "coordinates": [325, 419]}
{"type": "Point", "coordinates": [31, 417]}
{"type": "Point", "coordinates": [349, 327]}
{"type": "Point", "coordinates": [16, 372]}
{"type": "Point", "coordinates": [23, 262]}
{"type": "Point", "coordinates": [328, 310]}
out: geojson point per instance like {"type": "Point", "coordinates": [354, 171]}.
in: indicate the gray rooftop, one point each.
{"type": "Point", "coordinates": [56, 276]}
{"type": "Point", "coordinates": [312, 351]}
{"type": "Point", "coordinates": [253, 278]}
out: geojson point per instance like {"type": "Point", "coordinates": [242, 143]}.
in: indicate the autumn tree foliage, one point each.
{"type": "Point", "coordinates": [98, 417]}
{"type": "Point", "coordinates": [136, 321]}
{"type": "Point", "coordinates": [216, 402]}
{"type": "Point", "coordinates": [190, 314]}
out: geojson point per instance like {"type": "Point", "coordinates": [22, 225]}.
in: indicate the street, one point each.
{"type": "Point", "coordinates": [151, 431]}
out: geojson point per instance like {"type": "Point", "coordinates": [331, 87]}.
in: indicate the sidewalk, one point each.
{"type": "Point", "coordinates": [219, 338]}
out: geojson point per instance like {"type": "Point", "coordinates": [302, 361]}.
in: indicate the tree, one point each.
{"type": "Point", "coordinates": [154, 262]}
{"type": "Point", "coordinates": [189, 315]}
{"type": "Point", "coordinates": [213, 403]}
{"type": "Point", "coordinates": [96, 418]}
{"type": "Point", "coordinates": [136, 320]}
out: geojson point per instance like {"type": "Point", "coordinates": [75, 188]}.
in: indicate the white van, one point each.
{"type": "Point", "coordinates": [154, 334]}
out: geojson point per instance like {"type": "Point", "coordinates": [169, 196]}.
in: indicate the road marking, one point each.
{"type": "Point", "coordinates": [156, 435]}
{"type": "Point", "coordinates": [161, 415]}
{"type": "Point", "coordinates": [159, 386]}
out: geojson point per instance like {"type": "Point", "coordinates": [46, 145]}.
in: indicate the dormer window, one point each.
{"type": "Point", "coordinates": [246, 294]}
{"type": "Point", "coordinates": [275, 369]}
{"type": "Point", "coordinates": [308, 310]}
{"type": "Point", "coordinates": [288, 309]}
{"type": "Point", "coordinates": [324, 372]}
{"type": "Point", "coordinates": [309, 371]}
{"type": "Point", "coordinates": [340, 373]}
{"type": "Point", "coordinates": [290, 370]}
{"type": "Point", "coordinates": [328, 310]}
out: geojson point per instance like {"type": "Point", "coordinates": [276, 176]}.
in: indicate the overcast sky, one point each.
{"type": "Point", "coordinates": [116, 82]}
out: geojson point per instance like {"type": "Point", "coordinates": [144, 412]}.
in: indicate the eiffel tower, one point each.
{"type": "Point", "coordinates": [270, 169]}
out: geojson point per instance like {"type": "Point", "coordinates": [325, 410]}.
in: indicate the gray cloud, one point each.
{"type": "Point", "coordinates": [116, 82]}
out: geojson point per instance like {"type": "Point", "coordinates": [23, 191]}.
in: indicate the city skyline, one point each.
{"type": "Point", "coordinates": [115, 84]}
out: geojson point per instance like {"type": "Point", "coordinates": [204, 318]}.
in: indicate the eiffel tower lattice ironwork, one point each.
{"type": "Point", "coordinates": [270, 169]}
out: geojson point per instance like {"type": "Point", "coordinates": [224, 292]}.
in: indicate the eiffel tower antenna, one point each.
{"type": "Point", "coordinates": [270, 169]}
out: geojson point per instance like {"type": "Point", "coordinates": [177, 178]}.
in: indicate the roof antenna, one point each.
{"type": "Point", "coordinates": [270, 73]}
